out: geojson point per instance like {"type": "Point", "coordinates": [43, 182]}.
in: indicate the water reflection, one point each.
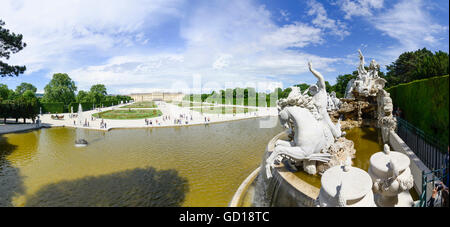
{"type": "Point", "coordinates": [132, 188]}
{"type": "Point", "coordinates": [214, 159]}
{"type": "Point", "coordinates": [10, 180]}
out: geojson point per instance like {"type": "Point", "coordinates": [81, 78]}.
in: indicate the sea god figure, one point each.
{"type": "Point", "coordinates": [319, 95]}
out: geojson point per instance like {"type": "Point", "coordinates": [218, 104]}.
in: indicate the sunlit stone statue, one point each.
{"type": "Point", "coordinates": [333, 103]}
{"type": "Point", "coordinates": [346, 186]}
{"type": "Point", "coordinates": [310, 125]}
{"type": "Point", "coordinates": [392, 178]}
{"type": "Point", "coordinates": [367, 83]}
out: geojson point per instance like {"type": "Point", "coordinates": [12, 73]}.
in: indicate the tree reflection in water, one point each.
{"type": "Point", "coordinates": [11, 182]}
{"type": "Point", "coordinates": [132, 188]}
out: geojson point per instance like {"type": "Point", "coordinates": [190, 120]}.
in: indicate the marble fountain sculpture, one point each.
{"type": "Point", "coordinates": [367, 83]}
{"type": "Point", "coordinates": [392, 178]}
{"type": "Point", "coordinates": [314, 140]}
{"type": "Point", "coordinates": [366, 103]}
{"type": "Point", "coordinates": [346, 186]}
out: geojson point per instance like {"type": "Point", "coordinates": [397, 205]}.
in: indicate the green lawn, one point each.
{"type": "Point", "coordinates": [128, 114]}
{"type": "Point", "coordinates": [141, 105]}
{"type": "Point", "coordinates": [223, 110]}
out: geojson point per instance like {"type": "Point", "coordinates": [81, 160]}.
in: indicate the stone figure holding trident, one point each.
{"type": "Point", "coordinates": [361, 69]}
{"type": "Point", "coordinates": [319, 97]}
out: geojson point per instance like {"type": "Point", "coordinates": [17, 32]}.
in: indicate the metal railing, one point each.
{"type": "Point", "coordinates": [440, 175]}
{"type": "Point", "coordinates": [429, 150]}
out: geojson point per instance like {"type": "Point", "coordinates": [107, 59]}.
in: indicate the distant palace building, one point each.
{"type": "Point", "coordinates": [157, 96]}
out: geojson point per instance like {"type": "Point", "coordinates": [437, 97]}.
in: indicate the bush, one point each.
{"type": "Point", "coordinates": [424, 104]}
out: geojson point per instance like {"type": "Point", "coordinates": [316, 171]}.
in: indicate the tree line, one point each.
{"type": "Point", "coordinates": [59, 95]}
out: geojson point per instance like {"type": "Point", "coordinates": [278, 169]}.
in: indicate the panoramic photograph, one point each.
{"type": "Point", "coordinates": [224, 103]}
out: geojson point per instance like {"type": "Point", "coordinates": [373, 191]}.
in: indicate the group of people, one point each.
{"type": "Point", "coordinates": [150, 122]}
{"type": "Point", "coordinates": [103, 124]}
{"type": "Point", "coordinates": [85, 124]}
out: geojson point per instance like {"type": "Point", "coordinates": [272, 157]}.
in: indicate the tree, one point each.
{"type": "Point", "coordinates": [25, 87]}
{"type": "Point", "coordinates": [29, 95]}
{"type": "Point", "coordinates": [10, 43]}
{"type": "Point", "coordinates": [4, 92]}
{"type": "Point", "coordinates": [83, 96]}
{"type": "Point", "coordinates": [341, 83]}
{"type": "Point", "coordinates": [98, 93]}
{"type": "Point", "coordinates": [416, 65]}
{"type": "Point", "coordinates": [60, 89]}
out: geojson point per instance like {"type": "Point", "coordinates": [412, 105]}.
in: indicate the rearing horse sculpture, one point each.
{"type": "Point", "coordinates": [312, 128]}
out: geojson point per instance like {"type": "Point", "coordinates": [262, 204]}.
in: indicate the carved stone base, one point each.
{"type": "Point", "coordinates": [403, 199]}
{"type": "Point", "coordinates": [340, 151]}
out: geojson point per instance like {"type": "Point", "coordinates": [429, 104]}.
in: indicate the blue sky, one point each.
{"type": "Point", "coordinates": [146, 45]}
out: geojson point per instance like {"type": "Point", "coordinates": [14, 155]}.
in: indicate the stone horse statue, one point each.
{"type": "Point", "coordinates": [310, 127]}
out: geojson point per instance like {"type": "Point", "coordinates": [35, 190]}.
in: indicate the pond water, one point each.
{"type": "Point", "coordinates": [367, 142]}
{"type": "Point", "coordinates": [183, 166]}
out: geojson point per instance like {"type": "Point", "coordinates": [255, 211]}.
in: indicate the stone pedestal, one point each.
{"type": "Point", "coordinates": [391, 178]}
{"type": "Point", "coordinates": [346, 186]}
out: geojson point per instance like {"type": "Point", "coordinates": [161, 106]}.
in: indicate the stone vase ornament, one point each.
{"type": "Point", "coordinates": [391, 178]}
{"type": "Point", "coordinates": [346, 186]}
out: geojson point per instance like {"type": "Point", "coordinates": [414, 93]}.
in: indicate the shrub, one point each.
{"type": "Point", "coordinates": [424, 104]}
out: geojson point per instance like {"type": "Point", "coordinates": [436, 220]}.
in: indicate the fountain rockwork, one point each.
{"type": "Point", "coordinates": [366, 103]}
{"type": "Point", "coordinates": [314, 142]}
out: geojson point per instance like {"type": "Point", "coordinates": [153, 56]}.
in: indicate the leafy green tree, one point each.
{"type": "Point", "coordinates": [83, 96]}
{"type": "Point", "coordinates": [25, 87]}
{"type": "Point", "coordinates": [341, 83]}
{"type": "Point", "coordinates": [4, 92]}
{"type": "Point", "coordinates": [29, 95]}
{"type": "Point", "coordinates": [98, 93]}
{"type": "Point", "coordinates": [414, 65]}
{"type": "Point", "coordinates": [60, 89]}
{"type": "Point", "coordinates": [10, 43]}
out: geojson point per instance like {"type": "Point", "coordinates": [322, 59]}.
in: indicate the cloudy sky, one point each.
{"type": "Point", "coordinates": [144, 45]}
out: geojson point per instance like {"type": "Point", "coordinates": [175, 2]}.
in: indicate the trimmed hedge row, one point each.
{"type": "Point", "coordinates": [17, 109]}
{"type": "Point", "coordinates": [85, 105]}
{"type": "Point", "coordinates": [52, 107]}
{"type": "Point", "coordinates": [424, 104]}
{"type": "Point", "coordinates": [59, 107]}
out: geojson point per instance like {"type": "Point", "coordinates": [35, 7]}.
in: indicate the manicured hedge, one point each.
{"type": "Point", "coordinates": [53, 107]}
{"type": "Point", "coordinates": [18, 109]}
{"type": "Point", "coordinates": [85, 105]}
{"type": "Point", "coordinates": [424, 104]}
{"type": "Point", "coordinates": [107, 104]}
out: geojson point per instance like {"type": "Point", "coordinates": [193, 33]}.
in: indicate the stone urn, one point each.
{"type": "Point", "coordinates": [391, 178]}
{"type": "Point", "coordinates": [346, 186]}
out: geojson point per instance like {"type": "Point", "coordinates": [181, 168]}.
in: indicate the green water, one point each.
{"type": "Point", "coordinates": [184, 166]}
{"type": "Point", "coordinates": [366, 141]}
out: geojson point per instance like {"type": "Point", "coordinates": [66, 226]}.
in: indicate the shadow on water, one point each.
{"type": "Point", "coordinates": [131, 188]}
{"type": "Point", "coordinates": [11, 182]}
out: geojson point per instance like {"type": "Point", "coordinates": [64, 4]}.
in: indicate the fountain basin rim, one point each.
{"type": "Point", "coordinates": [238, 196]}
{"type": "Point", "coordinates": [302, 186]}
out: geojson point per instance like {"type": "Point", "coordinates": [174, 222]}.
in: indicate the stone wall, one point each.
{"type": "Point", "coordinates": [416, 165]}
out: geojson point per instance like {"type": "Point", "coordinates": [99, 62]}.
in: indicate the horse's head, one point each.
{"type": "Point", "coordinates": [283, 115]}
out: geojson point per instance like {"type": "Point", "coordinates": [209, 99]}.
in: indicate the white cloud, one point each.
{"type": "Point", "coordinates": [285, 15]}
{"type": "Point", "coordinates": [321, 20]}
{"type": "Point", "coordinates": [54, 30]}
{"type": "Point", "coordinates": [360, 7]}
{"type": "Point", "coordinates": [227, 43]}
{"type": "Point", "coordinates": [411, 25]}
